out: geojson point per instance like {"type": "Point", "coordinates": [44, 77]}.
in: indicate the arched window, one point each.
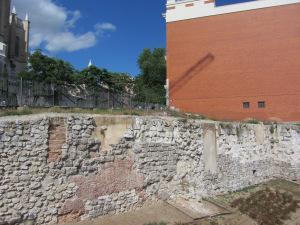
{"type": "Point", "coordinates": [17, 46]}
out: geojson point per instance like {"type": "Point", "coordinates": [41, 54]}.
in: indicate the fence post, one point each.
{"type": "Point", "coordinates": [7, 89]}
{"type": "Point", "coordinates": [130, 102]}
{"type": "Point", "coordinates": [21, 93]}
{"type": "Point", "coordinates": [108, 100]}
{"type": "Point", "coordinates": [53, 100]}
{"type": "Point", "coordinates": [95, 99]}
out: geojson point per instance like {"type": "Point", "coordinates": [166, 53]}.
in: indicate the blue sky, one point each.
{"type": "Point", "coordinates": [139, 25]}
{"type": "Point", "coordinates": [110, 33]}
{"type": "Point", "coordinates": [133, 26]}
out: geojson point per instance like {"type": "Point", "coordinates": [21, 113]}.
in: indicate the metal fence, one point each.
{"type": "Point", "coordinates": [17, 92]}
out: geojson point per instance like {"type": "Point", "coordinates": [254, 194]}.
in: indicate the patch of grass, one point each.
{"type": "Point", "coordinates": [27, 111]}
{"type": "Point", "coordinates": [15, 112]}
{"type": "Point", "coordinates": [227, 126]}
{"type": "Point", "coordinates": [253, 121]}
{"type": "Point", "coordinates": [196, 117]}
{"type": "Point", "coordinates": [175, 113]}
{"type": "Point", "coordinates": [192, 116]}
{"type": "Point", "coordinates": [272, 130]}
{"type": "Point", "coordinates": [267, 207]}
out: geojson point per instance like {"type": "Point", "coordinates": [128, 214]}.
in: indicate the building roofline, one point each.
{"type": "Point", "coordinates": [191, 9]}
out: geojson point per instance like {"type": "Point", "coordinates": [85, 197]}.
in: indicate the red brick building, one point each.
{"type": "Point", "coordinates": [234, 62]}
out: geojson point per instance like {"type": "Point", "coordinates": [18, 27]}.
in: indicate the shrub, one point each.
{"type": "Point", "coordinates": [253, 121]}
{"type": "Point", "coordinates": [16, 112]}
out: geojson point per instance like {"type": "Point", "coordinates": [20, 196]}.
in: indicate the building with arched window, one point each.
{"type": "Point", "coordinates": [234, 59]}
{"type": "Point", "coordinates": [14, 40]}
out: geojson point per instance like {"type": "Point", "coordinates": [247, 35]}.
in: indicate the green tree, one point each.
{"type": "Point", "coordinates": [95, 77]}
{"type": "Point", "coordinates": [149, 85]}
{"type": "Point", "coordinates": [122, 82]}
{"type": "Point", "coordinates": [45, 69]}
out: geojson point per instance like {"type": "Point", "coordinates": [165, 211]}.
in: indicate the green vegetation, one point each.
{"type": "Point", "coordinates": [267, 207]}
{"type": "Point", "coordinates": [273, 128]}
{"type": "Point", "coordinates": [253, 121]}
{"type": "Point", "coordinates": [43, 68]}
{"type": "Point", "coordinates": [115, 111]}
{"type": "Point", "coordinates": [15, 112]}
{"type": "Point", "coordinates": [46, 69]}
{"type": "Point", "coordinates": [28, 111]}
{"type": "Point", "coordinates": [149, 85]}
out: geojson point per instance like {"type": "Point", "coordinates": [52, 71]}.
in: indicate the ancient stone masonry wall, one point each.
{"type": "Point", "coordinates": [60, 168]}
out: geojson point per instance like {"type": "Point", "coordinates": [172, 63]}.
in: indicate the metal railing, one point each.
{"type": "Point", "coordinates": [18, 92]}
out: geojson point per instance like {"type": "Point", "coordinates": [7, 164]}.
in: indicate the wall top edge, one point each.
{"type": "Point", "coordinates": [36, 117]}
{"type": "Point", "coordinates": [191, 9]}
{"type": "Point", "coordinates": [171, 3]}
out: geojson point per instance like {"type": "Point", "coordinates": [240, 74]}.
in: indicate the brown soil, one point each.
{"type": "Point", "coordinates": [156, 212]}
{"type": "Point", "coordinates": [172, 216]}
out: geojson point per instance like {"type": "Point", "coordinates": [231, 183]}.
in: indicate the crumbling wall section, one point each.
{"type": "Point", "coordinates": [54, 168]}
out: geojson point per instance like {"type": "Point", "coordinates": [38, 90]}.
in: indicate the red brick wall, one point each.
{"type": "Point", "coordinates": [114, 178]}
{"type": "Point", "coordinates": [216, 63]}
{"type": "Point", "coordinates": [57, 137]}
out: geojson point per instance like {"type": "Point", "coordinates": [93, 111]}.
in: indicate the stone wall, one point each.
{"type": "Point", "coordinates": [60, 168]}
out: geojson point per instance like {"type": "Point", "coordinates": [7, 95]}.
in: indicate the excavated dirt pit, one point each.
{"type": "Point", "coordinates": [215, 211]}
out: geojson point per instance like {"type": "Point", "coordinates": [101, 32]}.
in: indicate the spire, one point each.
{"type": "Point", "coordinates": [26, 17]}
{"type": "Point", "coordinates": [14, 11]}
{"type": "Point", "coordinates": [90, 63]}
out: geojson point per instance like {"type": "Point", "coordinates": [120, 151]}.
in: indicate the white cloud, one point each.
{"type": "Point", "coordinates": [76, 15]}
{"type": "Point", "coordinates": [67, 41]}
{"type": "Point", "coordinates": [101, 27]}
{"type": "Point", "coordinates": [52, 26]}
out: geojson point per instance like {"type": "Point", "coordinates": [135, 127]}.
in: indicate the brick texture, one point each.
{"type": "Point", "coordinates": [57, 137]}
{"type": "Point", "coordinates": [216, 63]}
{"type": "Point", "coordinates": [114, 178]}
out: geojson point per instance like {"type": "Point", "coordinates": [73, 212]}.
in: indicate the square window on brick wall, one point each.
{"type": "Point", "coordinates": [261, 104]}
{"type": "Point", "coordinates": [246, 105]}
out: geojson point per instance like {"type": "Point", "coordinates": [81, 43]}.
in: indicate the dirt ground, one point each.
{"type": "Point", "coordinates": [164, 212]}
{"type": "Point", "coordinates": [157, 212]}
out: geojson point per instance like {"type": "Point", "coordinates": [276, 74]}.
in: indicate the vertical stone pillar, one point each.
{"type": "Point", "coordinates": [210, 148]}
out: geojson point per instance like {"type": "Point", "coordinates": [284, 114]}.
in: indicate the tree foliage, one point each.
{"type": "Point", "coordinates": [49, 70]}
{"type": "Point", "coordinates": [94, 77]}
{"type": "Point", "coordinates": [149, 85]}
{"type": "Point", "coordinates": [43, 68]}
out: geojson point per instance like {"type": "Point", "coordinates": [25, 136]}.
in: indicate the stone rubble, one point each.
{"type": "Point", "coordinates": [157, 158]}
